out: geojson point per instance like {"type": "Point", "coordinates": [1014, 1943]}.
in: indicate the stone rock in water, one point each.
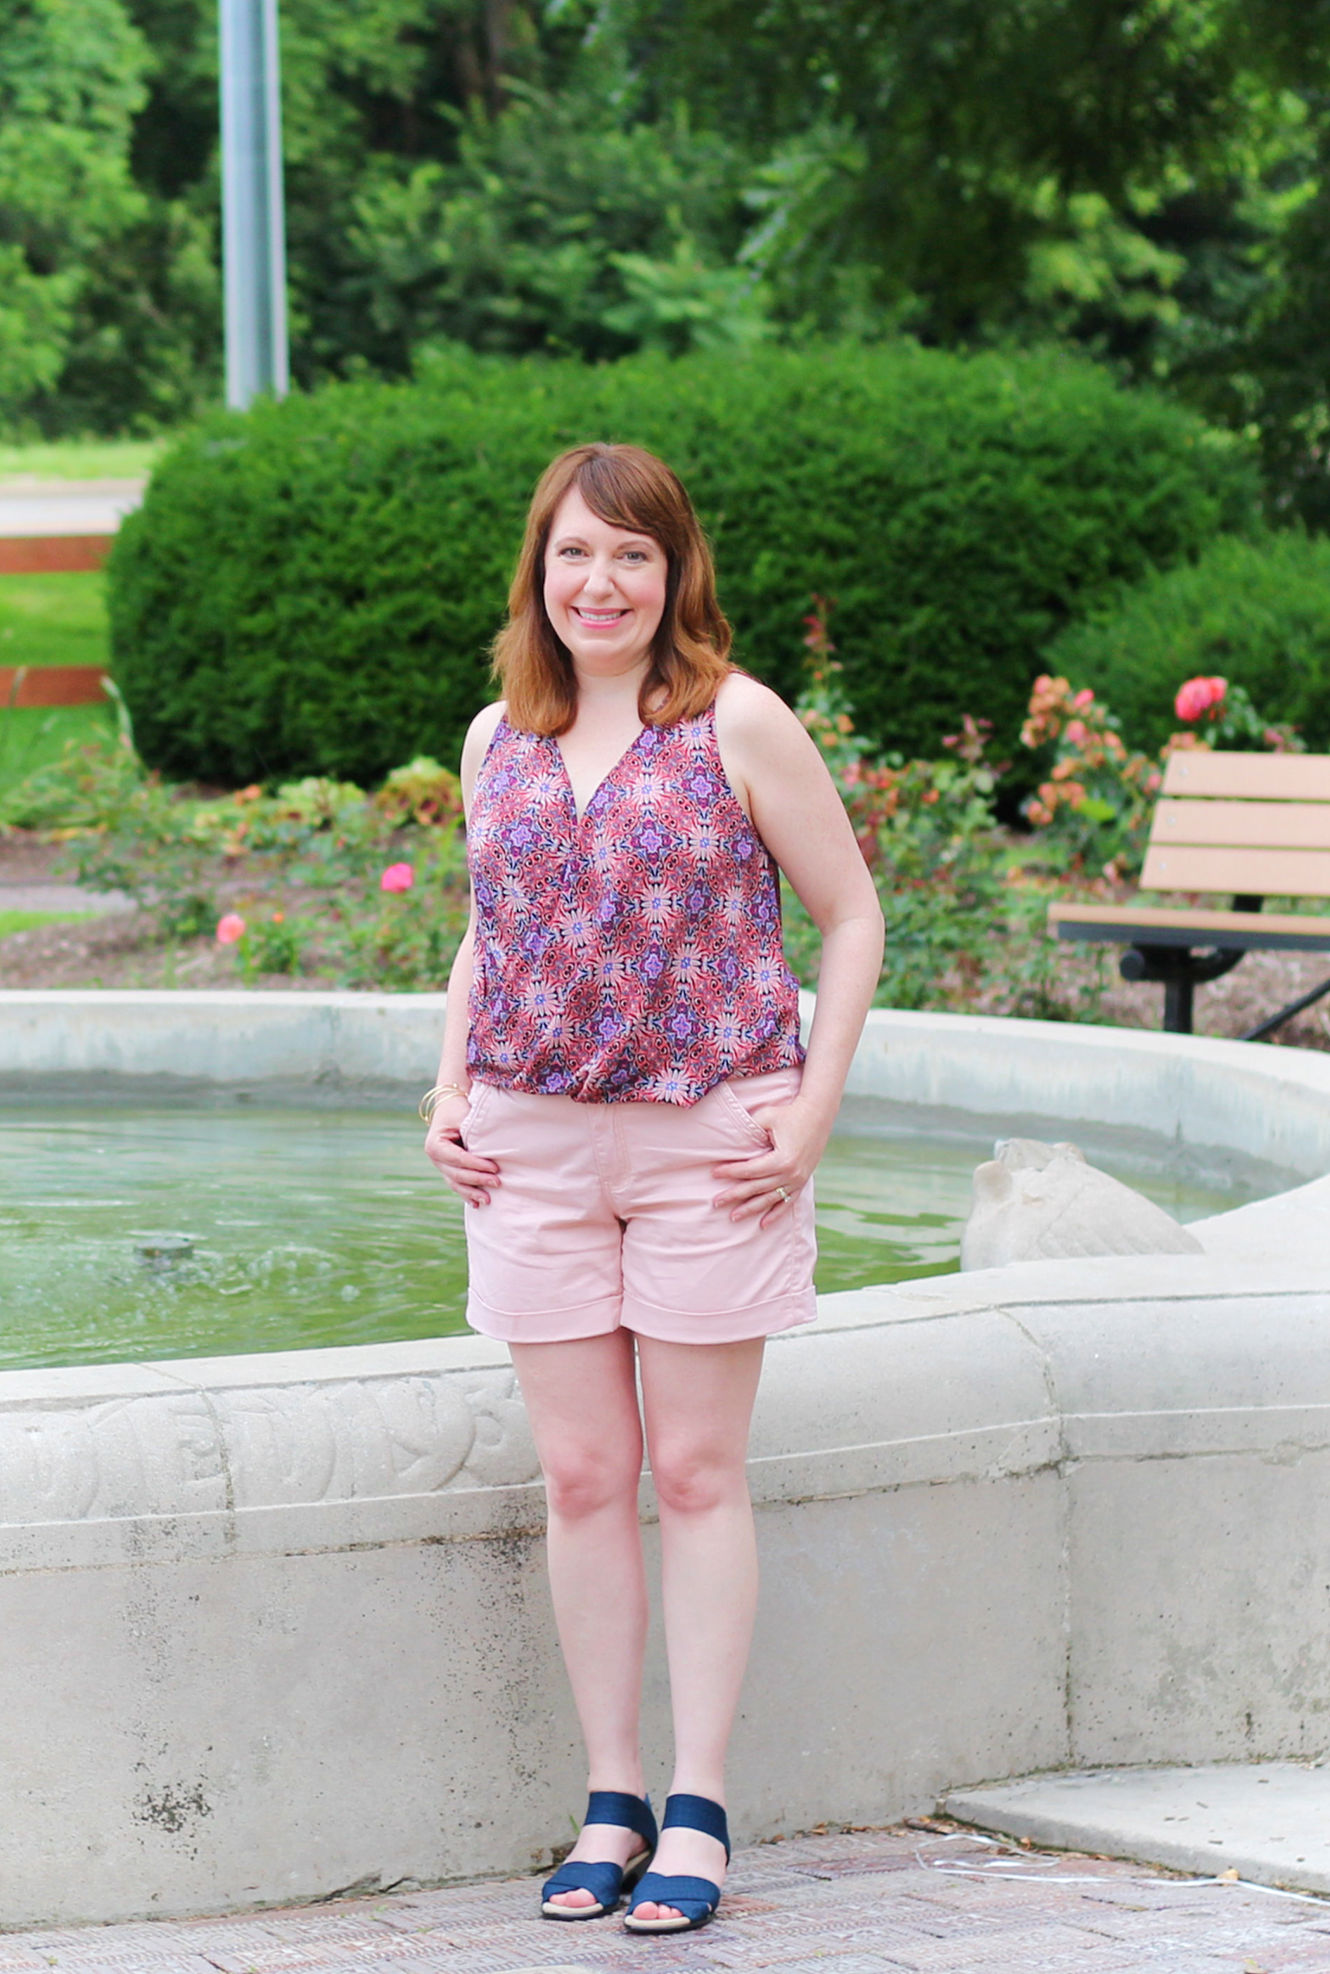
{"type": "Point", "coordinates": [1037, 1202]}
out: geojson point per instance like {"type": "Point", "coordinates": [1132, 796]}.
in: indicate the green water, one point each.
{"type": "Point", "coordinates": [171, 1233]}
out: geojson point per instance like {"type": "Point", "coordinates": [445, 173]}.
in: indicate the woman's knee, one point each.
{"type": "Point", "coordinates": [692, 1479]}
{"type": "Point", "coordinates": [584, 1480]}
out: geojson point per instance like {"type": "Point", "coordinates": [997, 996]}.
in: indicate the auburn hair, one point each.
{"type": "Point", "coordinates": [632, 489]}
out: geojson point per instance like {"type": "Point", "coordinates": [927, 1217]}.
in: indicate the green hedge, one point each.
{"type": "Point", "coordinates": [1255, 610]}
{"type": "Point", "coordinates": [313, 585]}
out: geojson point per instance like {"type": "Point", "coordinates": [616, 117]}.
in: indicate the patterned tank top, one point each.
{"type": "Point", "coordinates": [632, 954]}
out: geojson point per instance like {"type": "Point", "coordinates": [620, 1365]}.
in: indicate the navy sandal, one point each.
{"type": "Point", "coordinates": [605, 1882]}
{"type": "Point", "coordinates": [695, 1899]}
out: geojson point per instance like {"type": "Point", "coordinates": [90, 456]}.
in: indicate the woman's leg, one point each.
{"type": "Point", "coordinates": [698, 1402]}
{"type": "Point", "coordinates": [581, 1398]}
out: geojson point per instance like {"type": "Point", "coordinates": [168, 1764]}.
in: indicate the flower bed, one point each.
{"type": "Point", "coordinates": [319, 883]}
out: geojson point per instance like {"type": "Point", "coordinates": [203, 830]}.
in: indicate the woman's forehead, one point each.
{"type": "Point", "coordinates": [574, 518]}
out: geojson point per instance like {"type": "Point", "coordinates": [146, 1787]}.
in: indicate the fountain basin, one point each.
{"type": "Point", "coordinates": [276, 1626]}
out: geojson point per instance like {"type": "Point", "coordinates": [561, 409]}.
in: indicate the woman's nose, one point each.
{"type": "Point", "coordinates": [599, 579]}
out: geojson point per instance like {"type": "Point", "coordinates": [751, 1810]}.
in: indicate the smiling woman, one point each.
{"type": "Point", "coordinates": [604, 588]}
{"type": "Point", "coordinates": [625, 1109]}
{"type": "Point", "coordinates": [637, 523]}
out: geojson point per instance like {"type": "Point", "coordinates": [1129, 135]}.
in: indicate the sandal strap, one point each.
{"type": "Point", "coordinates": [624, 1811]}
{"type": "Point", "coordinates": [684, 1812]}
{"type": "Point", "coordinates": [603, 1881]}
{"type": "Point", "coordinates": [660, 1888]}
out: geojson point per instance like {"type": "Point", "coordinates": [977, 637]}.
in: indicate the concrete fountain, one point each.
{"type": "Point", "coordinates": [276, 1626]}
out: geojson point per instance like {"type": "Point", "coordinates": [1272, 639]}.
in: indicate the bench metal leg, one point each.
{"type": "Point", "coordinates": [1285, 1014]}
{"type": "Point", "coordinates": [1181, 972]}
{"type": "Point", "coordinates": [1179, 995]}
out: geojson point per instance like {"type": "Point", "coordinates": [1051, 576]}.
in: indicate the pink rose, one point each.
{"type": "Point", "coordinates": [1197, 696]}
{"type": "Point", "coordinates": [1082, 699]}
{"type": "Point", "coordinates": [230, 927]}
{"type": "Point", "coordinates": [397, 877]}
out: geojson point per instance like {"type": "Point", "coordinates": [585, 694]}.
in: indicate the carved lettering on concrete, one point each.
{"type": "Point", "coordinates": [503, 1453]}
{"type": "Point", "coordinates": [361, 1440]}
{"type": "Point", "coordinates": [149, 1455]}
{"type": "Point", "coordinates": [346, 1440]}
{"type": "Point", "coordinates": [351, 1441]}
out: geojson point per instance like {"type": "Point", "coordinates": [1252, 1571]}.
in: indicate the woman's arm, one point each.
{"type": "Point", "coordinates": [467, 1174]}
{"type": "Point", "coordinates": [452, 1056]}
{"type": "Point", "coordinates": [777, 772]}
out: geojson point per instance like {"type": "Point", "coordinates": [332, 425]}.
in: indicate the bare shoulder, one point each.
{"type": "Point", "coordinates": [481, 730]}
{"type": "Point", "coordinates": [478, 737]}
{"type": "Point", "coordinates": [769, 757]}
{"type": "Point", "coordinates": [750, 714]}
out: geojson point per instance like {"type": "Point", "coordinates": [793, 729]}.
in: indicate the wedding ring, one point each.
{"type": "Point", "coordinates": [784, 1196]}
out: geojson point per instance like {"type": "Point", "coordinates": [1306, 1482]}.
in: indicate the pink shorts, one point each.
{"type": "Point", "coordinates": [605, 1220]}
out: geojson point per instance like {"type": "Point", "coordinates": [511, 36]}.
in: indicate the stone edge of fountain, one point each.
{"type": "Point", "coordinates": [1058, 1513]}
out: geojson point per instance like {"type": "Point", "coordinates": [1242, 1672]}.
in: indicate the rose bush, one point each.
{"type": "Point", "coordinates": [1199, 696]}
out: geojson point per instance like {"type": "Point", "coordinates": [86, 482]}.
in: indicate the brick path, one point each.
{"type": "Point", "coordinates": [936, 1901]}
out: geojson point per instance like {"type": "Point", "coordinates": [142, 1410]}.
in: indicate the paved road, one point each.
{"type": "Point", "coordinates": [66, 507]}
{"type": "Point", "coordinates": [876, 1902]}
{"type": "Point", "coordinates": [73, 898]}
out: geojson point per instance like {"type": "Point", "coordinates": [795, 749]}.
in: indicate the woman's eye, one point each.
{"type": "Point", "coordinates": [634, 555]}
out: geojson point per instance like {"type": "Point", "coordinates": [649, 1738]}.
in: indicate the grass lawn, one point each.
{"type": "Point", "coordinates": [53, 620]}
{"type": "Point", "coordinates": [33, 736]}
{"type": "Point", "coordinates": [81, 459]}
{"type": "Point", "coordinates": [27, 921]}
{"type": "Point", "coordinates": [50, 620]}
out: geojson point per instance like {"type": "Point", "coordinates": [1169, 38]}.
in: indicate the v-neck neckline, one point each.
{"type": "Point", "coordinates": [580, 815]}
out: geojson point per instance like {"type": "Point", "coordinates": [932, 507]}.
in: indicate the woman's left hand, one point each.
{"type": "Point", "coordinates": [766, 1181]}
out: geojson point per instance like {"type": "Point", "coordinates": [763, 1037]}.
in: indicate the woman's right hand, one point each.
{"type": "Point", "coordinates": [469, 1175]}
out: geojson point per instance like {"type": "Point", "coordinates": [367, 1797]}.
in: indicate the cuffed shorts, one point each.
{"type": "Point", "coordinates": [605, 1220]}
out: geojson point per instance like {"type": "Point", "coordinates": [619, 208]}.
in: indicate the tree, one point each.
{"type": "Point", "coordinates": [992, 162]}
{"type": "Point", "coordinates": [71, 82]}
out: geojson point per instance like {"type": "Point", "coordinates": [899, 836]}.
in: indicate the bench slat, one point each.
{"type": "Point", "coordinates": [1260, 873]}
{"type": "Point", "coordinates": [1263, 777]}
{"type": "Point", "coordinates": [1129, 925]}
{"type": "Point", "coordinates": [1249, 825]}
{"type": "Point", "coordinates": [1201, 918]}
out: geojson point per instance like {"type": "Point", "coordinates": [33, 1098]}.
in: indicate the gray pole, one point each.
{"type": "Point", "coordinates": [253, 233]}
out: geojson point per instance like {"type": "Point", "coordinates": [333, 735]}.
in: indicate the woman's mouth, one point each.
{"type": "Point", "coordinates": [597, 618]}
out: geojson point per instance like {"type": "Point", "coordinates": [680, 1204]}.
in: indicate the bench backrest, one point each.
{"type": "Point", "coordinates": [1256, 825]}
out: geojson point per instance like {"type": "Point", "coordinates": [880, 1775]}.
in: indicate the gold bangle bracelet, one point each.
{"type": "Point", "coordinates": [431, 1100]}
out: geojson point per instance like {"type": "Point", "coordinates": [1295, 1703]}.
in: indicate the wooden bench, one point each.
{"type": "Point", "coordinates": [1256, 826]}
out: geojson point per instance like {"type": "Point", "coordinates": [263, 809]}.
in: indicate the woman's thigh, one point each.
{"type": "Point", "coordinates": [697, 1401]}
{"type": "Point", "coordinates": [581, 1399]}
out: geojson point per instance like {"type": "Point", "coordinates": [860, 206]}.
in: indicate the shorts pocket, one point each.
{"type": "Point", "coordinates": [480, 1098]}
{"type": "Point", "coordinates": [757, 1133]}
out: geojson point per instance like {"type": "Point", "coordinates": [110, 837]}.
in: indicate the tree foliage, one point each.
{"type": "Point", "coordinates": [1146, 179]}
{"type": "Point", "coordinates": [71, 82]}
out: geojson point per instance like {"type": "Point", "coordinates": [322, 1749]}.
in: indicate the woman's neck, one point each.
{"type": "Point", "coordinates": [606, 693]}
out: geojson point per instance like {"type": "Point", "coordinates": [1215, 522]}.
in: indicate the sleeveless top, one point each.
{"type": "Point", "coordinates": [634, 954]}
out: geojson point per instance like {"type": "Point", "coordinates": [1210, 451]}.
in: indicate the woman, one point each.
{"type": "Point", "coordinates": [625, 1109]}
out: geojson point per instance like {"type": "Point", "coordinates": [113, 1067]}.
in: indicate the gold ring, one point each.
{"type": "Point", "coordinates": [784, 1196]}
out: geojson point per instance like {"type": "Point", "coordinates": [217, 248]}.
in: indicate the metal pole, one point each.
{"type": "Point", "coordinates": [253, 232]}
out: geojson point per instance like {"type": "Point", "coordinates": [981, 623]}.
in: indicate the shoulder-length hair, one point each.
{"type": "Point", "coordinates": [631, 489]}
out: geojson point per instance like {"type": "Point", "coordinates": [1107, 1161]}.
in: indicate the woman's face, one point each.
{"type": "Point", "coordinates": [604, 589]}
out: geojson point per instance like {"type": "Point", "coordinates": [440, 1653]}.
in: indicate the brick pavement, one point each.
{"type": "Point", "coordinates": [910, 1901]}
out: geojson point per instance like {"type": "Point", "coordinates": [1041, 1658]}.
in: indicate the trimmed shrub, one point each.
{"type": "Point", "coordinates": [312, 587]}
{"type": "Point", "coordinates": [1255, 610]}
